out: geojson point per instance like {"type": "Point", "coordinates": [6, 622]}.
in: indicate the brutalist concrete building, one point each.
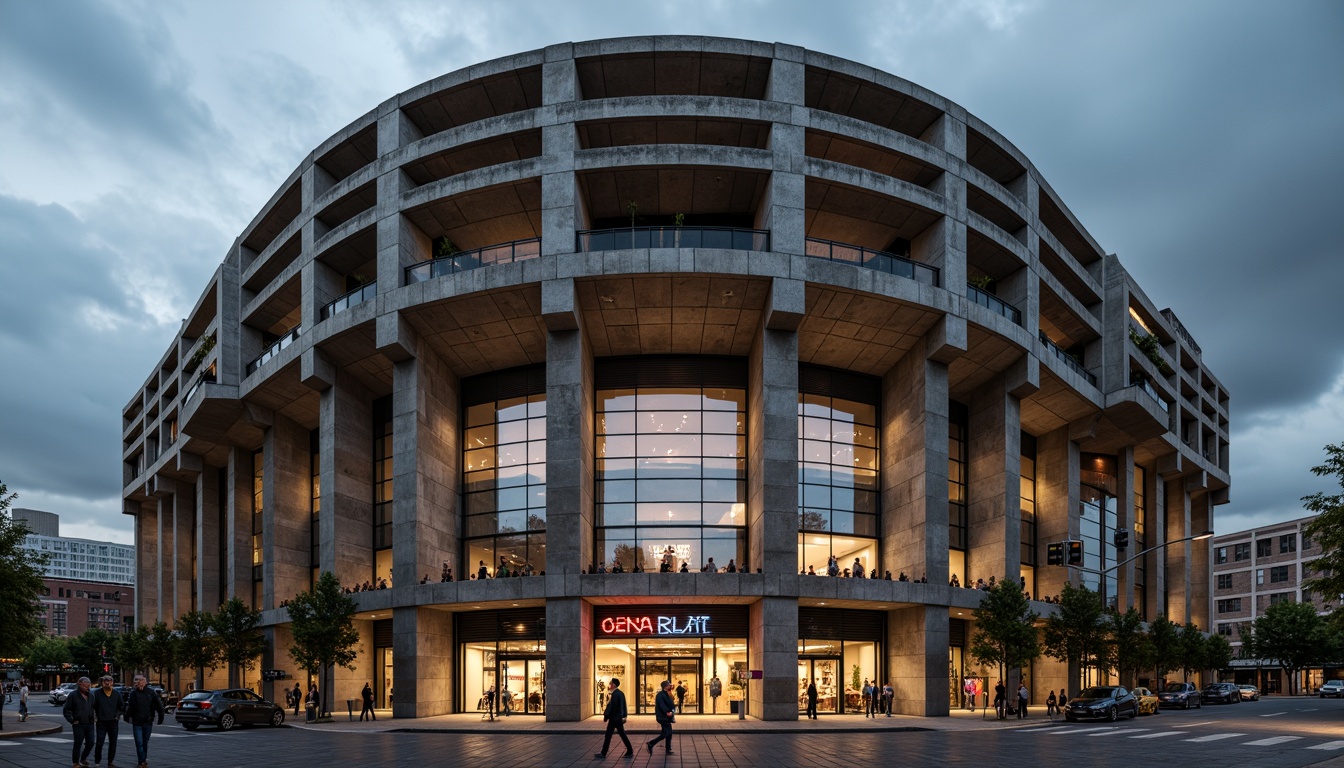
{"type": "Point", "coordinates": [642, 338]}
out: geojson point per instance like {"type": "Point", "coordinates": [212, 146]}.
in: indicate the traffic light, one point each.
{"type": "Point", "coordinates": [1075, 553]}
{"type": "Point", "coordinates": [1054, 553]}
{"type": "Point", "coordinates": [1121, 538]}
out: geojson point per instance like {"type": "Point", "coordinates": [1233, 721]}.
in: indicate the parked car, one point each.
{"type": "Point", "coordinates": [1220, 693]}
{"type": "Point", "coordinates": [1147, 701]}
{"type": "Point", "coordinates": [226, 709]}
{"type": "Point", "coordinates": [158, 688]}
{"type": "Point", "coordinates": [1102, 701]}
{"type": "Point", "coordinates": [1179, 695]}
{"type": "Point", "coordinates": [60, 693]}
{"type": "Point", "coordinates": [1332, 688]}
{"type": "Point", "coordinates": [1249, 692]}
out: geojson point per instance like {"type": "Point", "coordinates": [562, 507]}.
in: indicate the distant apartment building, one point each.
{"type": "Point", "coordinates": [76, 559]}
{"type": "Point", "coordinates": [70, 607]}
{"type": "Point", "coordinates": [1252, 570]}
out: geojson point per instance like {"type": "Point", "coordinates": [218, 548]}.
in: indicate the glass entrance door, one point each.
{"type": "Point", "coordinates": [824, 672]}
{"type": "Point", "coordinates": [683, 672]}
{"type": "Point", "coordinates": [524, 677]}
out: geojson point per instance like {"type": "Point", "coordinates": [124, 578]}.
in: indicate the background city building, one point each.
{"type": "Point", "coordinates": [1253, 570]}
{"type": "Point", "coordinates": [76, 559]}
{"type": "Point", "coordinates": [634, 304]}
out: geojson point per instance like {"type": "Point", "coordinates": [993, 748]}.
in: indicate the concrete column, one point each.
{"type": "Point", "coordinates": [422, 662]}
{"type": "Point", "coordinates": [229, 312]}
{"type": "Point", "coordinates": [914, 456]}
{"type": "Point", "coordinates": [184, 516]}
{"type": "Point", "coordinates": [209, 528]}
{"type": "Point", "coordinates": [1114, 355]}
{"type": "Point", "coordinates": [287, 496]}
{"type": "Point", "coordinates": [772, 647]}
{"type": "Point", "coordinates": [995, 487]}
{"type": "Point", "coordinates": [569, 436]}
{"type": "Point", "coordinates": [239, 527]}
{"type": "Point", "coordinates": [164, 571]}
{"type": "Point", "coordinates": [569, 656]}
{"type": "Point", "coordinates": [917, 659]}
{"type": "Point", "coordinates": [426, 468]}
{"type": "Point", "coordinates": [342, 683]}
{"type": "Point", "coordinates": [1200, 520]}
{"type": "Point", "coordinates": [772, 434]}
{"type": "Point", "coordinates": [346, 459]}
{"type": "Point", "coordinates": [562, 209]}
{"type": "Point", "coordinates": [1124, 521]}
{"type": "Point", "coordinates": [1056, 504]}
{"type": "Point", "coordinates": [1157, 561]}
{"type": "Point", "coordinates": [783, 208]}
{"type": "Point", "coordinates": [1178, 560]}
{"type": "Point", "coordinates": [147, 563]}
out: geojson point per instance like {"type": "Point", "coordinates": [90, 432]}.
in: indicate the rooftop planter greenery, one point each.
{"type": "Point", "coordinates": [1151, 349]}
{"type": "Point", "coordinates": [198, 356]}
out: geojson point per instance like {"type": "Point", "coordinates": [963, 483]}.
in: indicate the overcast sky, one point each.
{"type": "Point", "coordinates": [1202, 142]}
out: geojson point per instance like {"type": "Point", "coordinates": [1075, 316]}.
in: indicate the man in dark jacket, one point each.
{"type": "Point", "coordinates": [142, 705]}
{"type": "Point", "coordinates": [297, 697]}
{"type": "Point", "coordinates": [665, 714]}
{"type": "Point", "coordinates": [812, 700]}
{"type": "Point", "coordinates": [108, 707]}
{"type": "Point", "coordinates": [615, 715]}
{"type": "Point", "coordinates": [80, 715]}
{"type": "Point", "coordinates": [367, 709]}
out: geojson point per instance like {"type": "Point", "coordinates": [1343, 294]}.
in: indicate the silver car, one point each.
{"type": "Point", "coordinates": [1332, 688]}
{"type": "Point", "coordinates": [60, 693]}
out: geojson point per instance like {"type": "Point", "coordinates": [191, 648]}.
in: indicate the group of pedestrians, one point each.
{"type": "Point", "coordinates": [616, 712]}
{"type": "Point", "coordinates": [94, 719]}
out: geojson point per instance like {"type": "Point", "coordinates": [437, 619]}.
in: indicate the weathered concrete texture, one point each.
{"type": "Point", "coordinates": [569, 658]}
{"type": "Point", "coordinates": [184, 518]}
{"type": "Point", "coordinates": [1124, 506]}
{"type": "Point", "coordinates": [773, 648]}
{"type": "Point", "coordinates": [238, 545]}
{"type": "Point", "coordinates": [346, 459]}
{"type": "Point", "coordinates": [917, 659]}
{"type": "Point", "coordinates": [422, 662]}
{"type": "Point", "coordinates": [1178, 557]}
{"type": "Point", "coordinates": [569, 441]}
{"type": "Point", "coordinates": [209, 527]}
{"type": "Point", "coordinates": [343, 683]}
{"type": "Point", "coordinates": [995, 484]}
{"type": "Point", "coordinates": [287, 498]}
{"type": "Point", "coordinates": [772, 451]}
{"type": "Point", "coordinates": [1201, 519]}
{"type": "Point", "coordinates": [1056, 503]}
{"type": "Point", "coordinates": [914, 467]}
{"type": "Point", "coordinates": [147, 562]}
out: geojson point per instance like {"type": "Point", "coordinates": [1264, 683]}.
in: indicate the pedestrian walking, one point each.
{"type": "Point", "coordinates": [1022, 696]}
{"type": "Point", "coordinates": [79, 714]}
{"type": "Point", "coordinates": [367, 709]}
{"type": "Point", "coordinates": [888, 696]}
{"type": "Point", "coordinates": [1050, 706]}
{"type": "Point", "coordinates": [108, 707]}
{"type": "Point", "coordinates": [812, 700]}
{"type": "Point", "coordinates": [867, 699]}
{"type": "Point", "coordinates": [23, 701]}
{"type": "Point", "coordinates": [681, 696]}
{"type": "Point", "coordinates": [715, 691]}
{"type": "Point", "coordinates": [142, 705]}
{"type": "Point", "coordinates": [296, 698]}
{"type": "Point", "coordinates": [1000, 700]}
{"type": "Point", "coordinates": [665, 713]}
{"type": "Point", "coordinates": [615, 715]}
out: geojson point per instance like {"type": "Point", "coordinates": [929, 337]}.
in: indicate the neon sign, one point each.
{"type": "Point", "coordinates": [655, 625]}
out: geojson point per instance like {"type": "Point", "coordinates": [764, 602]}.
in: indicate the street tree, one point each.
{"type": "Point", "coordinates": [45, 652]}
{"type": "Point", "coordinates": [1190, 652]}
{"type": "Point", "coordinates": [198, 645]}
{"type": "Point", "coordinates": [1005, 629]}
{"type": "Point", "coordinates": [241, 641]}
{"type": "Point", "coordinates": [1129, 647]}
{"type": "Point", "coordinates": [1292, 634]}
{"type": "Point", "coordinates": [1327, 530]}
{"type": "Point", "coordinates": [90, 648]}
{"type": "Point", "coordinates": [322, 623]}
{"type": "Point", "coordinates": [1076, 635]}
{"type": "Point", "coordinates": [1217, 653]}
{"type": "Point", "coordinates": [1166, 641]}
{"type": "Point", "coordinates": [161, 649]}
{"type": "Point", "coordinates": [20, 584]}
{"type": "Point", "coordinates": [132, 653]}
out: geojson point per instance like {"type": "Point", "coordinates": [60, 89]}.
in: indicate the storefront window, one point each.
{"type": "Point", "coordinates": [503, 653]}
{"type": "Point", "coordinates": [838, 489]}
{"type": "Point", "coordinates": [838, 651]}
{"type": "Point", "coordinates": [504, 485]}
{"type": "Point", "coordinates": [671, 478]}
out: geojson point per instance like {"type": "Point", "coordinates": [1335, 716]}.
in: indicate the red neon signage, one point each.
{"type": "Point", "coordinates": [655, 625]}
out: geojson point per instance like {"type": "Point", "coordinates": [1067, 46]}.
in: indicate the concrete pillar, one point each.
{"type": "Point", "coordinates": [1124, 521]}
{"type": "Point", "coordinates": [1157, 561]}
{"type": "Point", "coordinates": [994, 471]}
{"type": "Point", "coordinates": [209, 528]}
{"type": "Point", "coordinates": [287, 497]}
{"type": "Point", "coordinates": [184, 517]}
{"type": "Point", "coordinates": [772, 434]}
{"type": "Point", "coordinates": [342, 683]}
{"type": "Point", "coordinates": [426, 468]}
{"type": "Point", "coordinates": [164, 571]}
{"type": "Point", "coordinates": [1200, 521]}
{"type": "Point", "coordinates": [1178, 560]}
{"type": "Point", "coordinates": [422, 662]}
{"type": "Point", "coordinates": [569, 435]}
{"type": "Point", "coordinates": [773, 648]}
{"type": "Point", "coordinates": [239, 527]}
{"type": "Point", "coordinates": [562, 208]}
{"type": "Point", "coordinates": [346, 459]}
{"type": "Point", "coordinates": [569, 657]}
{"type": "Point", "coordinates": [147, 563]}
{"type": "Point", "coordinates": [783, 208]}
{"type": "Point", "coordinates": [917, 659]}
{"type": "Point", "coordinates": [1056, 504]}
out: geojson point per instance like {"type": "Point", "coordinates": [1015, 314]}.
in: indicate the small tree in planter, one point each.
{"type": "Point", "coordinates": [322, 622]}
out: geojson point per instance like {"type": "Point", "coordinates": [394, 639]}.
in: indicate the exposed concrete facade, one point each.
{"type": "Point", "coordinates": [795, 211]}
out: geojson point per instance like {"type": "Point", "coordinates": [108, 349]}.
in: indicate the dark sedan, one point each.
{"type": "Point", "coordinates": [1102, 701]}
{"type": "Point", "coordinates": [226, 709]}
{"type": "Point", "coordinates": [1179, 695]}
{"type": "Point", "coordinates": [1220, 693]}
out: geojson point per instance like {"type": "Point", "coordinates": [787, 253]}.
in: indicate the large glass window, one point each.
{"type": "Point", "coordinates": [671, 477]}
{"type": "Point", "coordinates": [1028, 506]}
{"type": "Point", "coordinates": [838, 490]}
{"type": "Point", "coordinates": [504, 484]}
{"type": "Point", "coordinates": [382, 491]}
{"type": "Point", "coordinates": [1097, 522]}
{"type": "Point", "coordinates": [258, 508]}
{"type": "Point", "coordinates": [957, 513]}
{"type": "Point", "coordinates": [1140, 541]}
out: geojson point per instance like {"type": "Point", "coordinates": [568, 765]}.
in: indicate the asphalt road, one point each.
{"type": "Point", "coordinates": [1272, 733]}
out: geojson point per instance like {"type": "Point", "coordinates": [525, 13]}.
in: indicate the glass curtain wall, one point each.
{"type": "Point", "coordinates": [258, 507]}
{"type": "Point", "coordinates": [671, 472]}
{"type": "Point", "coordinates": [838, 490]}
{"type": "Point", "coordinates": [1028, 495]}
{"type": "Point", "coordinates": [504, 482]}
{"type": "Point", "coordinates": [382, 492]}
{"type": "Point", "coordinates": [957, 513]}
{"type": "Point", "coordinates": [1139, 543]}
{"type": "Point", "coordinates": [1097, 522]}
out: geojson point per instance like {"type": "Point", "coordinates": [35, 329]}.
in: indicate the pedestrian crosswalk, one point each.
{"type": "Point", "coordinates": [1146, 733]}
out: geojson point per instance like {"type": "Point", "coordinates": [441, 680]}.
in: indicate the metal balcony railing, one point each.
{"type": "Point", "coordinates": [209, 375]}
{"type": "Point", "coordinates": [993, 303]}
{"type": "Point", "coordinates": [490, 255]}
{"type": "Point", "coordinates": [1148, 389]}
{"type": "Point", "coordinates": [1067, 359]}
{"type": "Point", "coordinates": [622, 238]}
{"type": "Point", "coordinates": [881, 261]}
{"type": "Point", "coordinates": [274, 349]}
{"type": "Point", "coordinates": [357, 296]}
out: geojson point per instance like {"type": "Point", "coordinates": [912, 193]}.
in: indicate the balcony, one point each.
{"type": "Point", "coordinates": [1136, 380]}
{"type": "Point", "coordinates": [353, 298]}
{"type": "Point", "coordinates": [207, 376]}
{"type": "Point", "coordinates": [490, 255]}
{"type": "Point", "coordinates": [1067, 359]}
{"type": "Point", "coordinates": [623, 238]}
{"type": "Point", "coordinates": [880, 261]}
{"type": "Point", "coordinates": [274, 349]}
{"type": "Point", "coordinates": [993, 303]}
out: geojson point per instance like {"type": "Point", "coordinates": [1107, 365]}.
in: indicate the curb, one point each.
{"type": "Point", "coordinates": [36, 732]}
{"type": "Point", "coordinates": [680, 731]}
